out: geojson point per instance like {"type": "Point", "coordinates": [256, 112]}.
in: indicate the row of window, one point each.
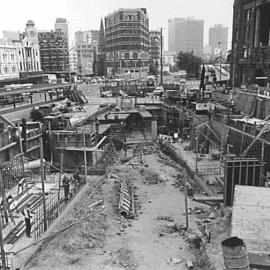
{"type": "Point", "coordinates": [126, 56]}
{"type": "Point", "coordinates": [8, 70]}
{"type": "Point", "coordinates": [7, 56]}
{"type": "Point", "coordinates": [29, 66]}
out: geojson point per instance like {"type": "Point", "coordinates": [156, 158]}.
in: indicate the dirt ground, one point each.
{"type": "Point", "coordinates": [108, 241]}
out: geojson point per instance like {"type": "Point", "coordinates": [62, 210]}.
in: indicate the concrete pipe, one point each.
{"type": "Point", "coordinates": [235, 254]}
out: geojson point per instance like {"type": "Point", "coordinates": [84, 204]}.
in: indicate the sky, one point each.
{"type": "Point", "coordinates": [86, 14]}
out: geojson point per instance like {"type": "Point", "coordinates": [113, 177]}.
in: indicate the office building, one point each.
{"type": "Point", "coordinates": [86, 37]}
{"type": "Point", "coordinates": [218, 39]}
{"type": "Point", "coordinates": [54, 54]}
{"type": "Point", "coordinates": [127, 42]}
{"type": "Point", "coordinates": [172, 34]}
{"type": "Point", "coordinates": [251, 43]}
{"type": "Point", "coordinates": [61, 24]}
{"type": "Point", "coordinates": [186, 35]}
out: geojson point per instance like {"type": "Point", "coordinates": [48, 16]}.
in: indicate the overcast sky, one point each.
{"type": "Point", "coordinates": [86, 14]}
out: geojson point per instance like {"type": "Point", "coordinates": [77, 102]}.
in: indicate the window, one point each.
{"type": "Point", "coordinates": [12, 57]}
{"type": "Point", "coordinates": [13, 70]}
{"type": "Point", "coordinates": [135, 55]}
{"type": "Point", "coordinates": [126, 55]}
{"type": "Point", "coordinates": [20, 65]}
{"type": "Point", "coordinates": [245, 52]}
{"type": "Point", "coordinates": [248, 15]}
{"type": "Point", "coordinates": [5, 70]}
{"type": "Point", "coordinates": [5, 57]}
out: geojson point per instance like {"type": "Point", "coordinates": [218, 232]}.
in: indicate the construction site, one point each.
{"type": "Point", "coordinates": [154, 181]}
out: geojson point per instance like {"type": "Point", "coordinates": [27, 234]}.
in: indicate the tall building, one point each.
{"type": "Point", "coordinates": [61, 24]}
{"type": "Point", "coordinates": [27, 50]}
{"type": "Point", "coordinates": [86, 47]}
{"type": "Point", "coordinates": [218, 38]}
{"type": "Point", "coordinates": [54, 55]}
{"type": "Point", "coordinates": [186, 35]}
{"type": "Point", "coordinates": [172, 34]}
{"type": "Point", "coordinates": [155, 46]}
{"type": "Point", "coordinates": [87, 37]}
{"type": "Point", "coordinates": [127, 42]}
{"type": "Point", "coordinates": [251, 43]}
{"type": "Point", "coordinates": [9, 66]}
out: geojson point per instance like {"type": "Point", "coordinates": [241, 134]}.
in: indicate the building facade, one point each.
{"type": "Point", "coordinates": [127, 42]}
{"type": "Point", "coordinates": [9, 66]}
{"type": "Point", "coordinates": [61, 24]}
{"type": "Point", "coordinates": [251, 43]}
{"type": "Point", "coordinates": [218, 38]}
{"type": "Point", "coordinates": [27, 51]}
{"type": "Point", "coordinates": [54, 54]}
{"type": "Point", "coordinates": [155, 46]}
{"type": "Point", "coordinates": [73, 60]}
{"type": "Point", "coordinates": [86, 58]}
{"type": "Point", "coordinates": [186, 35]}
{"type": "Point", "coordinates": [86, 37]}
{"type": "Point", "coordinates": [172, 34]}
{"type": "Point", "coordinates": [86, 44]}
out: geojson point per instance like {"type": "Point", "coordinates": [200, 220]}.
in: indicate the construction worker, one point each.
{"type": "Point", "coordinates": [27, 218]}
{"type": "Point", "coordinates": [66, 188]}
{"type": "Point", "coordinates": [77, 177]}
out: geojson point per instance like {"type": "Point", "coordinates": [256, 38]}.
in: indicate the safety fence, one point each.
{"type": "Point", "coordinates": [55, 205]}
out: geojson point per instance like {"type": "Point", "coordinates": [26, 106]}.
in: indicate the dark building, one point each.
{"type": "Point", "coordinates": [251, 42]}
{"type": "Point", "coordinates": [127, 42]}
{"type": "Point", "coordinates": [54, 54]}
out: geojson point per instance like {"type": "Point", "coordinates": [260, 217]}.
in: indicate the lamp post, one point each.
{"type": "Point", "coordinates": [161, 56]}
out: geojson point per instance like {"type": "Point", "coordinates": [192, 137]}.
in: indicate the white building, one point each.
{"type": "Point", "coordinates": [8, 60]}
{"type": "Point", "coordinates": [27, 48]}
{"type": "Point", "coordinates": [73, 60]}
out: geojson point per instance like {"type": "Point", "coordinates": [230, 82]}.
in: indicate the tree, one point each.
{"type": "Point", "coordinates": [189, 62]}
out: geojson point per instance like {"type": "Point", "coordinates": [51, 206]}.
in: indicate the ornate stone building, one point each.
{"type": "Point", "coordinates": [251, 43]}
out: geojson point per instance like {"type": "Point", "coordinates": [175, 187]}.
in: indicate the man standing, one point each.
{"type": "Point", "coordinates": [66, 187]}
{"type": "Point", "coordinates": [77, 178]}
{"type": "Point", "coordinates": [27, 218]}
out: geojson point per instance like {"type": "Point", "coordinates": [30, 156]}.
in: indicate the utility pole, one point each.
{"type": "Point", "coordinates": [186, 203]}
{"type": "Point", "coordinates": [42, 183]}
{"type": "Point", "coordinates": [3, 255]}
{"type": "Point", "coordinates": [161, 57]}
{"type": "Point", "coordinates": [85, 156]}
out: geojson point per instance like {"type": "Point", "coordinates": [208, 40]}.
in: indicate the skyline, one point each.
{"type": "Point", "coordinates": [86, 14]}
